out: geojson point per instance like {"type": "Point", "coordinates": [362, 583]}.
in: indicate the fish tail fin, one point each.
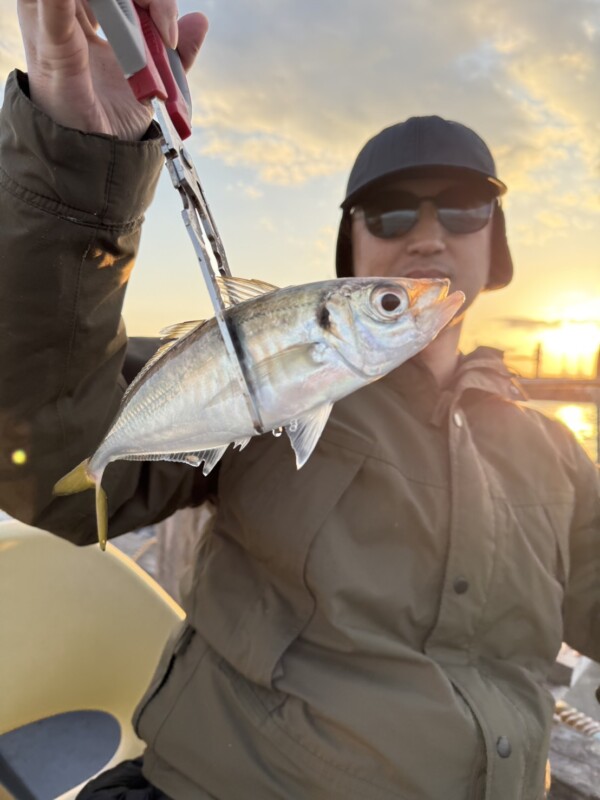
{"type": "Point", "coordinates": [101, 516]}
{"type": "Point", "coordinates": [78, 480]}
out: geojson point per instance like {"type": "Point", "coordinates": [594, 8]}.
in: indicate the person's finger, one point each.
{"type": "Point", "coordinates": [164, 16]}
{"type": "Point", "coordinates": [57, 19]}
{"type": "Point", "coordinates": [192, 30]}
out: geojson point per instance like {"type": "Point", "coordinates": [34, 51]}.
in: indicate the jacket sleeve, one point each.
{"type": "Point", "coordinates": [71, 209]}
{"type": "Point", "coordinates": [582, 597]}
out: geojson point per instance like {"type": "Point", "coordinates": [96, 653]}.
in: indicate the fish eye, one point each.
{"type": "Point", "coordinates": [389, 303]}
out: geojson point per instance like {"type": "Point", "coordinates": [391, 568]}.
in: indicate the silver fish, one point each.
{"type": "Point", "coordinates": [302, 347]}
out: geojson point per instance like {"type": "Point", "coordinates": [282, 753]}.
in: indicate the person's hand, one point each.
{"type": "Point", "coordinates": [74, 75]}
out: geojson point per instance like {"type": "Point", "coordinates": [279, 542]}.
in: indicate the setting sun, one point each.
{"type": "Point", "coordinates": [571, 348]}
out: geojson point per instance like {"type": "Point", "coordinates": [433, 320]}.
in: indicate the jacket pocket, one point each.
{"type": "Point", "coordinates": [176, 644]}
{"type": "Point", "coordinates": [251, 600]}
{"type": "Point", "coordinates": [323, 776]}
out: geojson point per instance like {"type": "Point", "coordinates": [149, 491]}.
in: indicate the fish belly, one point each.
{"type": "Point", "coordinates": [192, 403]}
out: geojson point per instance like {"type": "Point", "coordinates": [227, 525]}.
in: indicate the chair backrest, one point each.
{"type": "Point", "coordinates": [79, 629]}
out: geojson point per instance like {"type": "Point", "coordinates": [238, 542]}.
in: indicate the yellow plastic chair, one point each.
{"type": "Point", "coordinates": [80, 630]}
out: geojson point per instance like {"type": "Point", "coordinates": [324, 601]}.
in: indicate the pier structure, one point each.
{"type": "Point", "coordinates": [574, 390]}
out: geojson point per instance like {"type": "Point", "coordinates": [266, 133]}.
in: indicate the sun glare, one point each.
{"type": "Point", "coordinates": [571, 348]}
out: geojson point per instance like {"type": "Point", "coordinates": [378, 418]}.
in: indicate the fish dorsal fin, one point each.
{"type": "Point", "coordinates": [180, 329]}
{"type": "Point", "coordinates": [236, 290]}
{"type": "Point", "coordinates": [306, 431]}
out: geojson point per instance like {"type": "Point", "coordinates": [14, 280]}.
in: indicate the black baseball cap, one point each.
{"type": "Point", "coordinates": [425, 147]}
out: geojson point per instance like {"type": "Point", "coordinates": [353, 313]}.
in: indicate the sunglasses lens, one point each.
{"type": "Point", "coordinates": [390, 224]}
{"type": "Point", "coordinates": [460, 209]}
{"type": "Point", "coordinates": [465, 220]}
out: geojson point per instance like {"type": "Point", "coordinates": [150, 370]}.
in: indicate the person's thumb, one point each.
{"type": "Point", "coordinates": [192, 30]}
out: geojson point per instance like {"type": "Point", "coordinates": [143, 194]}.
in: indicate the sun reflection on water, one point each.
{"type": "Point", "coordinates": [581, 418]}
{"type": "Point", "coordinates": [577, 420]}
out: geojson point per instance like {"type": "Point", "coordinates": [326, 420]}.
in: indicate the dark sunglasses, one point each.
{"type": "Point", "coordinates": [458, 210]}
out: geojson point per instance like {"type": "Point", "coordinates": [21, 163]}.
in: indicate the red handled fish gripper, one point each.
{"type": "Point", "coordinates": [155, 74]}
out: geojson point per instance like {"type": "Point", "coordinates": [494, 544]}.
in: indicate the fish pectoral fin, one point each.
{"type": "Point", "coordinates": [180, 329]}
{"type": "Point", "coordinates": [209, 457]}
{"type": "Point", "coordinates": [236, 290]}
{"type": "Point", "coordinates": [241, 443]}
{"type": "Point", "coordinates": [289, 363]}
{"type": "Point", "coordinates": [305, 432]}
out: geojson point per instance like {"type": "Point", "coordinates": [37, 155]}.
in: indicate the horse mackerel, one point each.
{"type": "Point", "coordinates": [302, 348]}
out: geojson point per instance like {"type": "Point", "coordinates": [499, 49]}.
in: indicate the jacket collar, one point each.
{"type": "Point", "coordinates": [482, 371]}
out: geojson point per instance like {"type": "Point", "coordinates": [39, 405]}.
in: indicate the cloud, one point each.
{"type": "Point", "coordinates": [552, 68]}
{"type": "Point", "coordinates": [293, 94]}
{"type": "Point", "coordinates": [528, 324]}
{"type": "Point", "coordinates": [291, 91]}
{"type": "Point", "coordinates": [289, 88]}
{"type": "Point", "coordinates": [249, 190]}
{"type": "Point", "coordinates": [295, 97]}
{"type": "Point", "coordinates": [275, 159]}
{"type": "Point", "coordinates": [267, 224]}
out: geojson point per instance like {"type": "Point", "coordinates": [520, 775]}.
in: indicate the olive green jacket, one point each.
{"type": "Point", "coordinates": [376, 625]}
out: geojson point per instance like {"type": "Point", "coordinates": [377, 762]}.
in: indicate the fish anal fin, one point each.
{"type": "Point", "coordinates": [305, 432]}
{"type": "Point", "coordinates": [237, 290]}
{"type": "Point", "coordinates": [210, 457]}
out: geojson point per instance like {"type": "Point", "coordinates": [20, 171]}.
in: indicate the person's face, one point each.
{"type": "Point", "coordinates": [427, 250]}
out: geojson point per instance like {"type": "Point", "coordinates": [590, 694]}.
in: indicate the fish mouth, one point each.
{"type": "Point", "coordinates": [438, 309]}
{"type": "Point", "coordinates": [423, 292]}
{"type": "Point", "coordinates": [430, 304]}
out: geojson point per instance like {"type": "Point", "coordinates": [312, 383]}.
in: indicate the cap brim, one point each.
{"type": "Point", "coordinates": [428, 171]}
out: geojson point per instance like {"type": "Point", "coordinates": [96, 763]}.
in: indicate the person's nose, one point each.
{"type": "Point", "coordinates": [427, 236]}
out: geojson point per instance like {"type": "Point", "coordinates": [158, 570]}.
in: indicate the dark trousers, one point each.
{"type": "Point", "coordinates": [123, 782]}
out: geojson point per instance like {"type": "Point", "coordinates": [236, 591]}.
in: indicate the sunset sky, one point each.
{"type": "Point", "coordinates": [286, 92]}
